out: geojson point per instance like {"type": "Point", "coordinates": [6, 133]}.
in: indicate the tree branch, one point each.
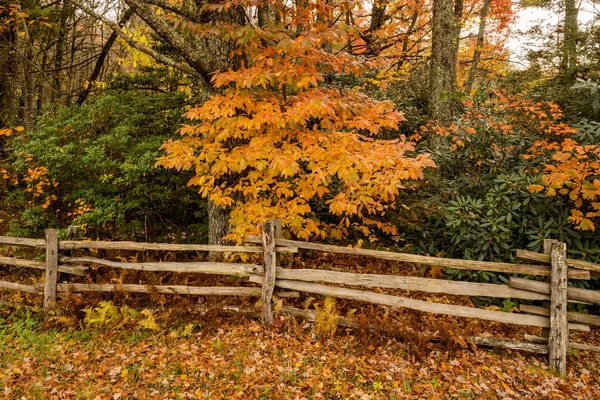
{"type": "Point", "coordinates": [162, 28]}
{"type": "Point", "coordinates": [102, 57]}
{"type": "Point", "coordinates": [139, 46]}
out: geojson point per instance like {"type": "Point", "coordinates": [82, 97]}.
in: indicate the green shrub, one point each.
{"type": "Point", "coordinates": [478, 205]}
{"type": "Point", "coordinates": [94, 166]}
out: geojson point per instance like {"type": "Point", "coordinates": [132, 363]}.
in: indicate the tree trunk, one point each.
{"type": "Point", "coordinates": [413, 22]}
{"type": "Point", "coordinates": [458, 13]}
{"type": "Point", "coordinates": [569, 47]}
{"type": "Point", "coordinates": [441, 75]}
{"type": "Point", "coordinates": [378, 14]}
{"type": "Point", "coordinates": [60, 48]}
{"type": "Point", "coordinates": [8, 71]}
{"type": "Point", "coordinates": [264, 15]}
{"type": "Point", "coordinates": [478, 47]}
{"type": "Point", "coordinates": [29, 86]}
{"type": "Point", "coordinates": [218, 224]}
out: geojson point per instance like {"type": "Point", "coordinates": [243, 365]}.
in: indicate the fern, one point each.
{"type": "Point", "coordinates": [108, 316]}
{"type": "Point", "coordinates": [17, 298]}
{"type": "Point", "coordinates": [350, 315]}
{"type": "Point", "coordinates": [308, 302]}
{"type": "Point", "coordinates": [326, 318]}
{"type": "Point", "coordinates": [187, 331]}
{"type": "Point", "coordinates": [128, 316]}
{"type": "Point", "coordinates": [102, 316]}
{"type": "Point", "coordinates": [149, 322]}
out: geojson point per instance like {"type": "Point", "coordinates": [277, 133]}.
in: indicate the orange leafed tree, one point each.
{"type": "Point", "coordinates": [282, 139]}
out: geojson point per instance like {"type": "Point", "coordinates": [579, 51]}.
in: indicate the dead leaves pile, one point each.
{"type": "Point", "coordinates": [244, 360]}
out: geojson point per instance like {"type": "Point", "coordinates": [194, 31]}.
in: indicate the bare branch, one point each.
{"type": "Point", "coordinates": [139, 46]}
{"type": "Point", "coordinates": [195, 58]}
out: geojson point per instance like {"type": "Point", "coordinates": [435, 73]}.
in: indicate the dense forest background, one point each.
{"type": "Point", "coordinates": [403, 124]}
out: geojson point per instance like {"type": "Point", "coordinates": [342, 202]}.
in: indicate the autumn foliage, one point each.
{"type": "Point", "coordinates": [279, 138]}
{"type": "Point", "coordinates": [568, 168]}
{"type": "Point", "coordinates": [574, 172]}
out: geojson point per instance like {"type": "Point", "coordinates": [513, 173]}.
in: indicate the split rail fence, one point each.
{"type": "Point", "coordinates": [553, 264]}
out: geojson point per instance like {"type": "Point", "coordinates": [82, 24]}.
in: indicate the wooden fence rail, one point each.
{"type": "Point", "coordinates": [572, 316]}
{"type": "Point", "coordinates": [574, 294]}
{"type": "Point", "coordinates": [136, 246]}
{"type": "Point", "coordinates": [19, 287]}
{"type": "Point", "coordinates": [522, 269]}
{"type": "Point", "coordinates": [218, 268]}
{"type": "Point", "coordinates": [409, 283]}
{"type": "Point", "coordinates": [419, 305]}
{"type": "Point", "coordinates": [526, 255]}
{"type": "Point", "coordinates": [276, 280]}
{"type": "Point", "coordinates": [163, 289]}
{"type": "Point", "coordinates": [19, 262]}
{"type": "Point", "coordinates": [15, 241]}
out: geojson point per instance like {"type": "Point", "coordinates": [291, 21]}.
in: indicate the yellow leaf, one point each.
{"type": "Point", "coordinates": [586, 225]}
{"type": "Point", "coordinates": [535, 188]}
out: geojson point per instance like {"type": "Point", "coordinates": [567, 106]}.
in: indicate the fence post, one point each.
{"type": "Point", "coordinates": [51, 269]}
{"type": "Point", "coordinates": [546, 303]}
{"type": "Point", "coordinates": [558, 341]}
{"type": "Point", "coordinates": [270, 231]}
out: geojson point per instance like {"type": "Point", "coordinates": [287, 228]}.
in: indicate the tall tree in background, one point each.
{"type": "Point", "coordinates": [443, 61]}
{"type": "Point", "coordinates": [47, 51]}
{"type": "Point", "coordinates": [8, 64]}
{"type": "Point", "coordinates": [102, 57]}
{"type": "Point", "coordinates": [570, 28]}
{"type": "Point", "coordinates": [478, 47]}
{"type": "Point", "coordinates": [458, 23]}
{"type": "Point", "coordinates": [62, 28]}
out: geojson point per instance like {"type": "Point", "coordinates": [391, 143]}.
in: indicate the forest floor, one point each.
{"type": "Point", "coordinates": [232, 357]}
{"type": "Point", "coordinates": [201, 351]}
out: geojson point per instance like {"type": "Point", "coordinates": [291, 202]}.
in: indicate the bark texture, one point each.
{"type": "Point", "coordinates": [569, 48]}
{"type": "Point", "coordinates": [458, 14]}
{"type": "Point", "coordinates": [218, 224]}
{"type": "Point", "coordinates": [441, 75]}
{"type": "Point", "coordinates": [63, 31]}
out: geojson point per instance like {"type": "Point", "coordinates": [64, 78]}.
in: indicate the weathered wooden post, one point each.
{"type": "Point", "coordinates": [547, 250]}
{"type": "Point", "coordinates": [558, 341]}
{"type": "Point", "coordinates": [270, 231]}
{"type": "Point", "coordinates": [51, 270]}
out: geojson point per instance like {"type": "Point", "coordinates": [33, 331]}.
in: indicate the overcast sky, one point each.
{"type": "Point", "coordinates": [531, 16]}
